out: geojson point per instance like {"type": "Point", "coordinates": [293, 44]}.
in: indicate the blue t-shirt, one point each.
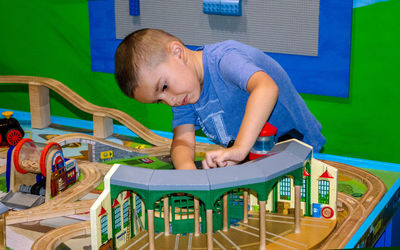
{"type": "Point", "coordinates": [220, 109]}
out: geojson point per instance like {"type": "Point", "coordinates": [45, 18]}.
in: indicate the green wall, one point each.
{"type": "Point", "coordinates": [50, 38]}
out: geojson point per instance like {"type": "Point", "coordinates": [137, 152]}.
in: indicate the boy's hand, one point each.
{"type": "Point", "coordinates": [223, 157]}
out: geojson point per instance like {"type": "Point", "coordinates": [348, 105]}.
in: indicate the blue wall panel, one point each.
{"type": "Point", "coordinates": [325, 74]}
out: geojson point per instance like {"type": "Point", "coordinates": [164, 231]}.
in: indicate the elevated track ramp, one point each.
{"type": "Point", "coordinates": [102, 123]}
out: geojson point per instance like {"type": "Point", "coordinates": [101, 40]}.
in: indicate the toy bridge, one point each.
{"type": "Point", "coordinates": [102, 117]}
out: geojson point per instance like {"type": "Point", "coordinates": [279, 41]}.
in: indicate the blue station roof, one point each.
{"type": "Point", "coordinates": [282, 159]}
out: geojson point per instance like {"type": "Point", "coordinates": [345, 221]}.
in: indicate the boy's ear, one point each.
{"type": "Point", "coordinates": [177, 49]}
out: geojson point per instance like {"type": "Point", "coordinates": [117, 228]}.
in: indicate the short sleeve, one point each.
{"type": "Point", "coordinates": [183, 115]}
{"type": "Point", "coordinates": [237, 68]}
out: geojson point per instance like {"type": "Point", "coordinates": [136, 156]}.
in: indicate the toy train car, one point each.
{"type": "Point", "coordinates": [10, 130]}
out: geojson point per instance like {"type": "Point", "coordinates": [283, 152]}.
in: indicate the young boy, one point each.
{"type": "Point", "coordinates": [227, 89]}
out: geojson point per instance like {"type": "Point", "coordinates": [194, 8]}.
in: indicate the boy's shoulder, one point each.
{"type": "Point", "coordinates": [219, 49]}
{"type": "Point", "coordinates": [226, 44]}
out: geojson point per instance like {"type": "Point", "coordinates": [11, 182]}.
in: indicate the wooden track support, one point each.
{"type": "Point", "coordinates": [102, 125]}
{"type": "Point", "coordinates": [90, 152]}
{"type": "Point", "coordinates": [39, 105]}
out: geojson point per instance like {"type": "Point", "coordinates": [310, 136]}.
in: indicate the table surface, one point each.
{"type": "Point", "coordinates": [393, 183]}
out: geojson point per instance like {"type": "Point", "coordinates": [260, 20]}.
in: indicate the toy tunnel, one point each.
{"type": "Point", "coordinates": [32, 157]}
{"type": "Point", "coordinates": [33, 164]}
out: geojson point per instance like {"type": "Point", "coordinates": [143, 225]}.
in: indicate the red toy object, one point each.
{"type": "Point", "coordinates": [16, 155]}
{"type": "Point", "coordinates": [264, 142]}
{"type": "Point", "coordinates": [268, 130]}
{"type": "Point", "coordinates": [44, 153]}
{"type": "Point", "coordinates": [10, 130]}
{"type": "Point", "coordinates": [13, 137]}
{"type": "Point", "coordinates": [327, 212]}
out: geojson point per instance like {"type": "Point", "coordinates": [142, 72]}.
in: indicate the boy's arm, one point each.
{"type": "Point", "coordinates": [263, 96]}
{"type": "Point", "coordinates": [183, 147]}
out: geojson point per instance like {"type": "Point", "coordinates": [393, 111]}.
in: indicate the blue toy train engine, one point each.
{"type": "Point", "coordinates": [10, 130]}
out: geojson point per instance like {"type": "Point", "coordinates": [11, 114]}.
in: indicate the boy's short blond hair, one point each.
{"type": "Point", "coordinates": [142, 48]}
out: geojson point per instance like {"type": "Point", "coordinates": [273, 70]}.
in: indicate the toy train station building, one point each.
{"type": "Point", "coordinates": [318, 192]}
{"type": "Point", "coordinates": [287, 181]}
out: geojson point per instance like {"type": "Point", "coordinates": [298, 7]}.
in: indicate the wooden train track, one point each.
{"type": "Point", "coordinates": [88, 107]}
{"type": "Point", "coordinates": [358, 209]}
{"type": "Point", "coordinates": [58, 205]}
{"type": "Point", "coordinates": [53, 238]}
{"type": "Point", "coordinates": [153, 151]}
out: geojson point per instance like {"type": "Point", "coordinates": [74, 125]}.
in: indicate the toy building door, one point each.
{"type": "Point", "coordinates": [182, 208]}
{"type": "Point", "coordinates": [235, 205]}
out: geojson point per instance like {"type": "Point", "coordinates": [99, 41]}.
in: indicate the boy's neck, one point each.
{"type": "Point", "coordinates": [197, 60]}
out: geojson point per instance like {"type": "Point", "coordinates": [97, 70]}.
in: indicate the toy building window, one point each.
{"type": "Point", "coordinates": [138, 205]}
{"type": "Point", "coordinates": [117, 219]}
{"type": "Point", "coordinates": [323, 192]}
{"type": "Point", "coordinates": [158, 209]}
{"type": "Point", "coordinates": [236, 197]}
{"type": "Point", "coordinates": [104, 229]}
{"type": "Point", "coordinates": [182, 207]}
{"type": "Point", "coordinates": [285, 188]}
{"type": "Point", "coordinates": [126, 213]}
{"type": "Point", "coordinates": [303, 190]}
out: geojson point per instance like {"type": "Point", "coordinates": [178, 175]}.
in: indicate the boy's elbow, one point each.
{"type": "Point", "coordinates": [275, 90]}
{"type": "Point", "coordinates": [182, 143]}
{"type": "Point", "coordinates": [271, 89]}
{"type": "Point", "coordinates": [274, 87]}
{"type": "Point", "coordinates": [267, 85]}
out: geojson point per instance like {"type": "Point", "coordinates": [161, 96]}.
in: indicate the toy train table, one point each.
{"type": "Point", "coordinates": [365, 204]}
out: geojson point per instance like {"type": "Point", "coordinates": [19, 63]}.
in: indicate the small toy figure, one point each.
{"type": "Point", "coordinates": [10, 130]}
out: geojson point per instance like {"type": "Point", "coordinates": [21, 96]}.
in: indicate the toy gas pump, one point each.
{"type": "Point", "coordinates": [264, 142]}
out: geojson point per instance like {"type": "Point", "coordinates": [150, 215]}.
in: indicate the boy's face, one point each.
{"type": "Point", "coordinates": [173, 82]}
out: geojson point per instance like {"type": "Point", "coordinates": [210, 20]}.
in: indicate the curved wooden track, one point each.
{"type": "Point", "coordinates": [57, 205]}
{"type": "Point", "coordinates": [53, 238]}
{"type": "Point", "coordinates": [358, 209]}
{"type": "Point", "coordinates": [79, 102]}
{"type": "Point", "coordinates": [153, 151]}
